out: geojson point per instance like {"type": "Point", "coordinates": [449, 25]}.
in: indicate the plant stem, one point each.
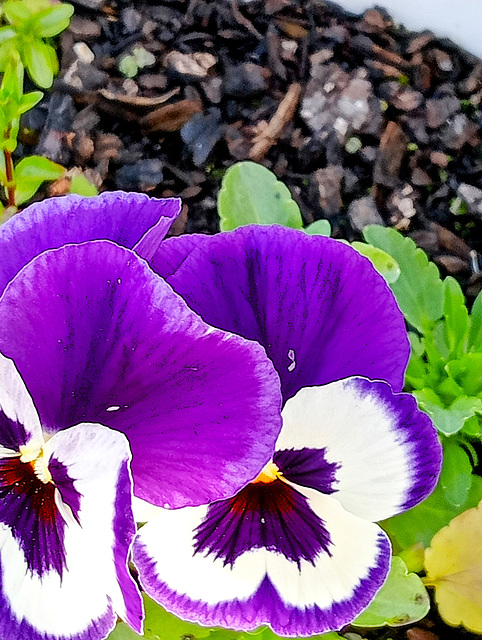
{"type": "Point", "coordinates": [9, 175]}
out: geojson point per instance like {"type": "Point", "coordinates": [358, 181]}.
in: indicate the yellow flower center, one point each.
{"type": "Point", "coordinates": [34, 455]}
{"type": "Point", "coordinates": [270, 473]}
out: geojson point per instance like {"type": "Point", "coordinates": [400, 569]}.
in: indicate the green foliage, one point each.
{"type": "Point", "coordinates": [161, 625]}
{"type": "Point", "coordinates": [30, 173]}
{"type": "Point", "coordinates": [31, 24]}
{"type": "Point", "coordinates": [82, 187]}
{"type": "Point", "coordinates": [384, 263]}
{"type": "Point", "coordinates": [402, 600]}
{"type": "Point", "coordinates": [319, 228]}
{"type": "Point", "coordinates": [250, 193]}
{"type": "Point", "coordinates": [419, 289]}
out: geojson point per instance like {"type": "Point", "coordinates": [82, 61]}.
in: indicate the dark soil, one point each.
{"type": "Point", "coordinates": [374, 124]}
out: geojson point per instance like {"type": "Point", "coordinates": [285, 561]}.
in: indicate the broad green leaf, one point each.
{"type": "Point", "coordinates": [456, 476]}
{"type": "Point", "coordinates": [251, 194]}
{"type": "Point", "coordinates": [50, 22]}
{"type": "Point", "coordinates": [160, 623]}
{"type": "Point", "coordinates": [123, 632]}
{"type": "Point", "coordinates": [416, 344]}
{"type": "Point", "coordinates": [416, 376]}
{"type": "Point", "coordinates": [402, 600]}
{"type": "Point", "coordinates": [420, 524]}
{"type": "Point", "coordinates": [16, 12]}
{"type": "Point", "coordinates": [448, 420]}
{"type": "Point", "coordinates": [7, 33]}
{"type": "Point", "coordinates": [38, 62]}
{"type": "Point", "coordinates": [383, 263]}
{"type": "Point", "coordinates": [319, 228]}
{"type": "Point", "coordinates": [419, 288]}
{"type": "Point", "coordinates": [475, 335]}
{"type": "Point", "coordinates": [269, 635]}
{"type": "Point", "coordinates": [30, 172]}
{"type": "Point", "coordinates": [82, 187]}
{"type": "Point", "coordinates": [12, 83]}
{"type": "Point", "coordinates": [456, 317]}
{"type": "Point", "coordinates": [454, 567]}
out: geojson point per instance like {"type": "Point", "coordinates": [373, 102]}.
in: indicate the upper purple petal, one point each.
{"type": "Point", "coordinates": [124, 218]}
{"type": "Point", "coordinates": [319, 308]}
{"type": "Point", "coordinates": [99, 337]}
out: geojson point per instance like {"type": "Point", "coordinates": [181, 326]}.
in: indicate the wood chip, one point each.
{"type": "Point", "coordinates": [284, 114]}
{"type": "Point", "coordinates": [171, 117]}
{"type": "Point", "coordinates": [195, 64]}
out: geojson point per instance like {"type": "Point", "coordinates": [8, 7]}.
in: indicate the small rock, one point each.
{"type": "Point", "coordinates": [419, 42]}
{"type": "Point", "coordinates": [131, 19]}
{"type": "Point", "coordinates": [402, 98]}
{"type": "Point", "coordinates": [83, 53]}
{"type": "Point", "coordinates": [459, 131]}
{"type": "Point", "coordinates": [454, 265]}
{"type": "Point", "coordinates": [329, 189]}
{"type": "Point", "coordinates": [440, 110]}
{"type": "Point", "coordinates": [196, 65]}
{"type": "Point", "coordinates": [84, 29]}
{"type": "Point", "coordinates": [363, 212]}
{"type": "Point", "coordinates": [86, 120]}
{"type": "Point", "coordinates": [212, 89]}
{"type": "Point", "coordinates": [401, 202]}
{"type": "Point", "coordinates": [83, 148]}
{"type": "Point", "coordinates": [107, 145]}
{"type": "Point", "coordinates": [153, 81]}
{"type": "Point", "coordinates": [244, 80]}
{"type": "Point", "coordinates": [420, 178]}
{"type": "Point", "coordinates": [90, 4]}
{"type": "Point", "coordinates": [201, 133]}
{"type": "Point", "coordinates": [472, 196]}
{"type": "Point", "coordinates": [145, 175]}
{"type": "Point", "coordinates": [439, 159]}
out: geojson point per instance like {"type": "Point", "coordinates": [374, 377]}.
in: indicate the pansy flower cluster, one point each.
{"type": "Point", "coordinates": [244, 389]}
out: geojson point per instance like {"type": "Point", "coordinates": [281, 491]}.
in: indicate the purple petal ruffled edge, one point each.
{"type": "Point", "coordinates": [128, 219]}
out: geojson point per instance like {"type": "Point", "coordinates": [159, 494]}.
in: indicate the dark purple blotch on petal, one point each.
{"type": "Point", "coordinates": [65, 485]}
{"type": "Point", "coordinates": [12, 433]}
{"type": "Point", "coordinates": [28, 509]}
{"type": "Point", "coordinates": [308, 468]}
{"type": "Point", "coordinates": [271, 516]}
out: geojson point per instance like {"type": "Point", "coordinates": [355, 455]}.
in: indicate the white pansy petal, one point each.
{"type": "Point", "coordinates": [228, 565]}
{"type": "Point", "coordinates": [368, 447]}
{"type": "Point", "coordinates": [19, 421]}
{"type": "Point", "coordinates": [64, 570]}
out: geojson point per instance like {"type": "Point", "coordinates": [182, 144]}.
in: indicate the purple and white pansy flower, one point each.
{"type": "Point", "coordinates": [102, 362]}
{"type": "Point", "coordinates": [297, 548]}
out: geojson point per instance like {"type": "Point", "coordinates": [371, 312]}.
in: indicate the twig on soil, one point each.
{"type": "Point", "coordinates": [284, 113]}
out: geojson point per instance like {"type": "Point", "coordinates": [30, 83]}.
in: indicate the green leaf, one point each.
{"type": "Point", "coordinates": [29, 174]}
{"type": "Point", "coordinates": [456, 476]}
{"type": "Point", "coordinates": [402, 600]}
{"type": "Point", "coordinates": [475, 335]}
{"type": "Point", "coordinates": [38, 61]}
{"type": "Point", "coordinates": [50, 22]}
{"type": "Point", "coordinates": [456, 317]}
{"type": "Point", "coordinates": [16, 12]}
{"type": "Point", "coordinates": [383, 263]}
{"type": "Point", "coordinates": [29, 100]}
{"type": "Point", "coordinates": [251, 194]}
{"type": "Point", "coordinates": [7, 33]}
{"type": "Point", "coordinates": [128, 66]}
{"type": "Point", "coordinates": [319, 228]}
{"type": "Point", "coordinates": [160, 624]}
{"type": "Point", "coordinates": [420, 524]}
{"type": "Point", "coordinates": [448, 420]}
{"type": "Point", "coordinates": [82, 187]}
{"type": "Point", "coordinates": [467, 372]}
{"type": "Point", "coordinates": [419, 290]}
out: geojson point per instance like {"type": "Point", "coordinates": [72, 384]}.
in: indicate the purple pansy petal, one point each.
{"type": "Point", "coordinates": [120, 348]}
{"type": "Point", "coordinates": [124, 218]}
{"type": "Point", "coordinates": [319, 308]}
{"type": "Point", "coordinates": [263, 586]}
{"type": "Point", "coordinates": [386, 452]}
{"type": "Point", "coordinates": [81, 594]}
{"type": "Point", "coordinates": [19, 421]}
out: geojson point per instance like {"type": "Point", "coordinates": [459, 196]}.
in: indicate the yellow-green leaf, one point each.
{"type": "Point", "coordinates": [454, 567]}
{"type": "Point", "coordinates": [402, 599]}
